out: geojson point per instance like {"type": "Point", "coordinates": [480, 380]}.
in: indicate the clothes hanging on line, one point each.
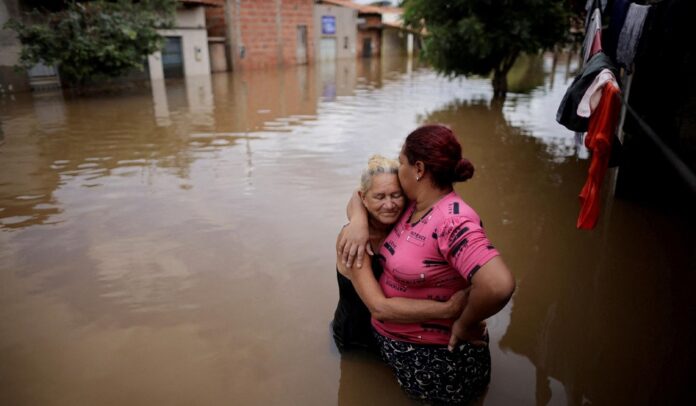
{"type": "Point", "coordinates": [598, 140]}
{"type": "Point", "coordinates": [593, 94]}
{"type": "Point", "coordinates": [630, 35]}
{"type": "Point", "coordinates": [590, 5]}
{"type": "Point", "coordinates": [593, 36]}
{"type": "Point", "coordinates": [567, 113]}
{"type": "Point", "coordinates": [616, 21]}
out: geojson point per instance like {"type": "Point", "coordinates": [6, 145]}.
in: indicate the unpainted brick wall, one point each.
{"type": "Point", "coordinates": [215, 21]}
{"type": "Point", "coordinates": [267, 31]}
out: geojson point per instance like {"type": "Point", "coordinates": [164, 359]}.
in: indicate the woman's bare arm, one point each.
{"type": "Point", "coordinates": [399, 309]}
{"type": "Point", "coordinates": [355, 236]}
{"type": "Point", "coordinates": [491, 288]}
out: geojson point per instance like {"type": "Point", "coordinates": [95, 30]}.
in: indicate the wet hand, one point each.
{"type": "Point", "coordinates": [474, 334]}
{"type": "Point", "coordinates": [352, 245]}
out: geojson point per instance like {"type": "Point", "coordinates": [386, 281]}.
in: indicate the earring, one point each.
{"type": "Point", "coordinates": [417, 178]}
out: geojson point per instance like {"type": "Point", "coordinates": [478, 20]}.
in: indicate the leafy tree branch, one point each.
{"type": "Point", "coordinates": [480, 37]}
{"type": "Point", "coordinates": [94, 39]}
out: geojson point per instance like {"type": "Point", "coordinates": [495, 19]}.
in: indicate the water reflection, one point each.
{"type": "Point", "coordinates": [528, 73]}
{"type": "Point", "coordinates": [583, 298]}
{"type": "Point", "coordinates": [355, 382]}
{"type": "Point", "coordinates": [515, 198]}
{"type": "Point", "coordinates": [160, 103]}
{"type": "Point", "coordinates": [581, 309]}
{"type": "Point", "coordinates": [182, 233]}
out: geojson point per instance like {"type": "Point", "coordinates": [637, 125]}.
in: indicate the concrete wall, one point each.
{"type": "Point", "coordinates": [10, 47]}
{"type": "Point", "coordinates": [394, 42]}
{"type": "Point", "coordinates": [264, 32]}
{"type": "Point", "coordinates": [218, 54]}
{"type": "Point", "coordinates": [190, 26]}
{"type": "Point", "coordinates": [154, 64]}
{"type": "Point", "coordinates": [190, 17]}
{"type": "Point", "coordinates": [346, 30]}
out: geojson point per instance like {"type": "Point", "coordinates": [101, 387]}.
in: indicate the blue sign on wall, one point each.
{"type": "Point", "coordinates": [328, 25]}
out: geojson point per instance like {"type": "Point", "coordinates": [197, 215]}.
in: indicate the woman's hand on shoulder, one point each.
{"type": "Point", "coordinates": [353, 242]}
{"type": "Point", "coordinates": [340, 265]}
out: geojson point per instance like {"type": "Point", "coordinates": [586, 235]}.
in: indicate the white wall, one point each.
{"type": "Point", "coordinates": [394, 42]}
{"type": "Point", "coordinates": [346, 26]}
{"type": "Point", "coordinates": [154, 62]}
{"type": "Point", "coordinates": [190, 17]}
{"type": "Point", "coordinates": [190, 26]}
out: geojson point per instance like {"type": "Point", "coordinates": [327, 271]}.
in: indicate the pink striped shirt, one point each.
{"type": "Point", "coordinates": [432, 259]}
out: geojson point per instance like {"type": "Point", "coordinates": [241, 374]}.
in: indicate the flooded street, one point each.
{"type": "Point", "coordinates": [175, 244]}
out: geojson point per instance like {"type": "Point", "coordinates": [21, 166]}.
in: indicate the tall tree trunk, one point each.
{"type": "Point", "coordinates": [500, 84]}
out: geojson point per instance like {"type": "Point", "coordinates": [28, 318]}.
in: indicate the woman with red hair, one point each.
{"type": "Point", "coordinates": [437, 248]}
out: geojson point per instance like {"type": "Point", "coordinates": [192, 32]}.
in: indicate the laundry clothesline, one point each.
{"type": "Point", "coordinates": [596, 101]}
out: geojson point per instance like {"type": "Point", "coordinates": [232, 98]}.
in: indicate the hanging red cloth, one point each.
{"type": "Point", "coordinates": [600, 131]}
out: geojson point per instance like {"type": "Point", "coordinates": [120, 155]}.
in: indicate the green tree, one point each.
{"type": "Point", "coordinates": [94, 39]}
{"type": "Point", "coordinates": [477, 37]}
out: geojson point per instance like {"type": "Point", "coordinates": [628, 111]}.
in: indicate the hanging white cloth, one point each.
{"type": "Point", "coordinates": [593, 94]}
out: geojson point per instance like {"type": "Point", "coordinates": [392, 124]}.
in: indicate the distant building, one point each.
{"type": "Point", "coordinates": [220, 35]}
{"type": "Point", "coordinates": [335, 33]}
{"type": "Point", "coordinates": [265, 33]}
{"type": "Point", "coordinates": [380, 30]}
{"type": "Point", "coordinates": [185, 51]}
{"type": "Point", "coordinates": [396, 38]}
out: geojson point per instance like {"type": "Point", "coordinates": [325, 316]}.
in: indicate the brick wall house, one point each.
{"type": "Point", "coordinates": [264, 33]}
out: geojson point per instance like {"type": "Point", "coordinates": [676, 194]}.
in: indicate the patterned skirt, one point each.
{"type": "Point", "coordinates": [433, 374]}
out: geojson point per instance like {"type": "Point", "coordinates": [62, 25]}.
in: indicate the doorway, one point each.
{"type": "Point", "coordinates": [327, 49]}
{"type": "Point", "coordinates": [172, 58]}
{"type": "Point", "coordinates": [367, 48]}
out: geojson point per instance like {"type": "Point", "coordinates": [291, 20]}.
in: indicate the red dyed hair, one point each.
{"type": "Point", "coordinates": [436, 146]}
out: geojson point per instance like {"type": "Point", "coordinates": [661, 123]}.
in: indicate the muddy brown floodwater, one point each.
{"type": "Point", "coordinates": [174, 245]}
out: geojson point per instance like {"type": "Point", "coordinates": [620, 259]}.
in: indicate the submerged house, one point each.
{"type": "Point", "coordinates": [379, 30]}
{"type": "Point", "coordinates": [335, 36]}
{"type": "Point", "coordinates": [262, 33]}
{"type": "Point", "coordinates": [185, 51]}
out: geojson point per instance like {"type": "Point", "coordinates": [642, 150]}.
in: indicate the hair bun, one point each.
{"type": "Point", "coordinates": [463, 171]}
